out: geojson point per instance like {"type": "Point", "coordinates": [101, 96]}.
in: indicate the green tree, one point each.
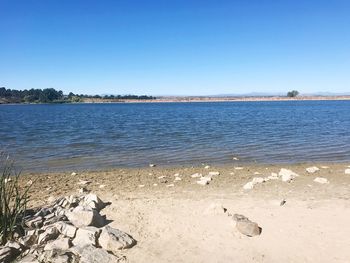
{"type": "Point", "coordinates": [293, 93]}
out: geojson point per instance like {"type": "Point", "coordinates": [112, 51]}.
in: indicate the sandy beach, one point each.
{"type": "Point", "coordinates": [178, 220]}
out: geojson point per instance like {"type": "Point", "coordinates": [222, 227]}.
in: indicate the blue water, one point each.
{"type": "Point", "coordinates": [99, 136]}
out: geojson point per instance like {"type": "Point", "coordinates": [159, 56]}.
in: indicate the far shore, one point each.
{"type": "Point", "coordinates": [184, 99]}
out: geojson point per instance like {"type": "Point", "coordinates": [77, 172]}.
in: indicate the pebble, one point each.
{"type": "Point", "coordinates": [325, 167]}
{"type": "Point", "coordinates": [321, 180]}
{"type": "Point", "coordinates": [102, 186]}
{"type": "Point", "coordinates": [155, 184]}
{"type": "Point", "coordinates": [178, 179]}
{"type": "Point", "coordinates": [214, 173]}
{"type": "Point", "coordinates": [312, 169]}
{"type": "Point", "coordinates": [235, 158]}
{"type": "Point", "coordinates": [152, 165]}
{"type": "Point", "coordinates": [207, 167]}
{"type": "Point", "coordinates": [161, 177]}
{"type": "Point", "coordinates": [73, 174]}
{"type": "Point", "coordinates": [238, 168]}
{"type": "Point", "coordinates": [170, 185]}
{"type": "Point", "coordinates": [347, 171]}
{"type": "Point", "coordinates": [141, 185]}
{"type": "Point", "coordinates": [196, 175]}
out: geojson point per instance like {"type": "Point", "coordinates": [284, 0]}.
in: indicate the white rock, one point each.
{"type": "Point", "coordinates": [214, 173]}
{"type": "Point", "coordinates": [152, 165]}
{"type": "Point", "coordinates": [312, 169]}
{"type": "Point", "coordinates": [325, 167]}
{"type": "Point", "coordinates": [256, 173]}
{"type": "Point", "coordinates": [321, 180]}
{"type": "Point", "coordinates": [238, 168]}
{"type": "Point", "coordinates": [86, 236]}
{"type": "Point", "coordinates": [91, 254]}
{"type": "Point", "coordinates": [155, 184]}
{"type": "Point", "coordinates": [235, 158]}
{"type": "Point", "coordinates": [176, 175]}
{"type": "Point", "coordinates": [232, 173]}
{"type": "Point", "coordinates": [141, 185]}
{"type": "Point", "coordinates": [207, 167]}
{"type": "Point", "coordinates": [74, 174]}
{"type": "Point", "coordinates": [161, 177]}
{"type": "Point", "coordinates": [60, 244]}
{"type": "Point", "coordinates": [248, 186]}
{"type": "Point", "coordinates": [202, 182]}
{"type": "Point", "coordinates": [287, 175]}
{"type": "Point", "coordinates": [102, 186]}
{"type": "Point", "coordinates": [93, 201]}
{"type": "Point", "coordinates": [196, 175]}
{"type": "Point", "coordinates": [66, 229]}
{"type": "Point", "coordinates": [49, 234]}
{"type": "Point", "coordinates": [258, 180]}
{"type": "Point", "coordinates": [112, 239]}
{"type": "Point", "coordinates": [83, 216]}
{"type": "Point", "coordinates": [170, 185]}
{"type": "Point", "coordinates": [347, 171]}
{"type": "Point", "coordinates": [178, 179]}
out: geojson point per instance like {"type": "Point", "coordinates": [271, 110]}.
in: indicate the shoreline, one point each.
{"type": "Point", "coordinates": [167, 215]}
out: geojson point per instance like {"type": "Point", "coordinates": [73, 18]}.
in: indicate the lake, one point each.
{"type": "Point", "coordinates": [99, 136]}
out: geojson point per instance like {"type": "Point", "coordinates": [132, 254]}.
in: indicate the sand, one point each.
{"type": "Point", "coordinates": [186, 222]}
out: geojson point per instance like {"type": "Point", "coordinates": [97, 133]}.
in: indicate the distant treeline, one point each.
{"type": "Point", "coordinates": [53, 96]}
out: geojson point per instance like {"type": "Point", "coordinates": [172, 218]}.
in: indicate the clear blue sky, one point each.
{"type": "Point", "coordinates": [175, 47]}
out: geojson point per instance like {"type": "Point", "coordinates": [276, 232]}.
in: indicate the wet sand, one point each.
{"type": "Point", "coordinates": [186, 223]}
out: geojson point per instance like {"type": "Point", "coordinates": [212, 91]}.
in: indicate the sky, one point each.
{"type": "Point", "coordinates": [175, 47]}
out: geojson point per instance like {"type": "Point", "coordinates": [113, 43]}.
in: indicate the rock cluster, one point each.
{"type": "Point", "coordinates": [71, 229]}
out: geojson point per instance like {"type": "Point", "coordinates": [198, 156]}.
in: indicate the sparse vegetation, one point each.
{"type": "Point", "coordinates": [13, 200]}
{"type": "Point", "coordinates": [293, 93]}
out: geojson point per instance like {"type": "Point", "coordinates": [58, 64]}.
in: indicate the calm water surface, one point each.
{"type": "Point", "coordinates": [98, 136]}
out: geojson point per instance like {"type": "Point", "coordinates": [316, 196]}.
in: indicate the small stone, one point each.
{"type": "Point", "coordinates": [170, 185]}
{"type": "Point", "coordinates": [214, 173]}
{"type": "Point", "coordinates": [287, 175]}
{"type": "Point", "coordinates": [141, 185]}
{"type": "Point", "coordinates": [238, 168]}
{"type": "Point", "coordinates": [321, 180]}
{"type": "Point", "coordinates": [59, 244]}
{"type": "Point", "coordinates": [102, 186]}
{"type": "Point", "coordinates": [258, 180]}
{"type": "Point", "coordinates": [87, 236]}
{"type": "Point", "coordinates": [66, 229]}
{"type": "Point", "coordinates": [49, 234]}
{"type": "Point", "coordinates": [152, 165]}
{"type": "Point", "coordinates": [207, 167]}
{"type": "Point", "coordinates": [256, 173]}
{"type": "Point", "coordinates": [161, 177]}
{"type": "Point", "coordinates": [245, 226]}
{"type": "Point", "coordinates": [155, 184]}
{"type": "Point", "coordinates": [312, 169]}
{"type": "Point", "coordinates": [113, 239]}
{"type": "Point", "coordinates": [202, 182]}
{"type": "Point", "coordinates": [235, 158]}
{"type": "Point", "coordinates": [74, 174]}
{"type": "Point", "coordinates": [347, 171]}
{"type": "Point", "coordinates": [177, 179]}
{"type": "Point", "coordinates": [248, 186]}
{"type": "Point", "coordinates": [325, 167]}
{"type": "Point", "coordinates": [196, 175]}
